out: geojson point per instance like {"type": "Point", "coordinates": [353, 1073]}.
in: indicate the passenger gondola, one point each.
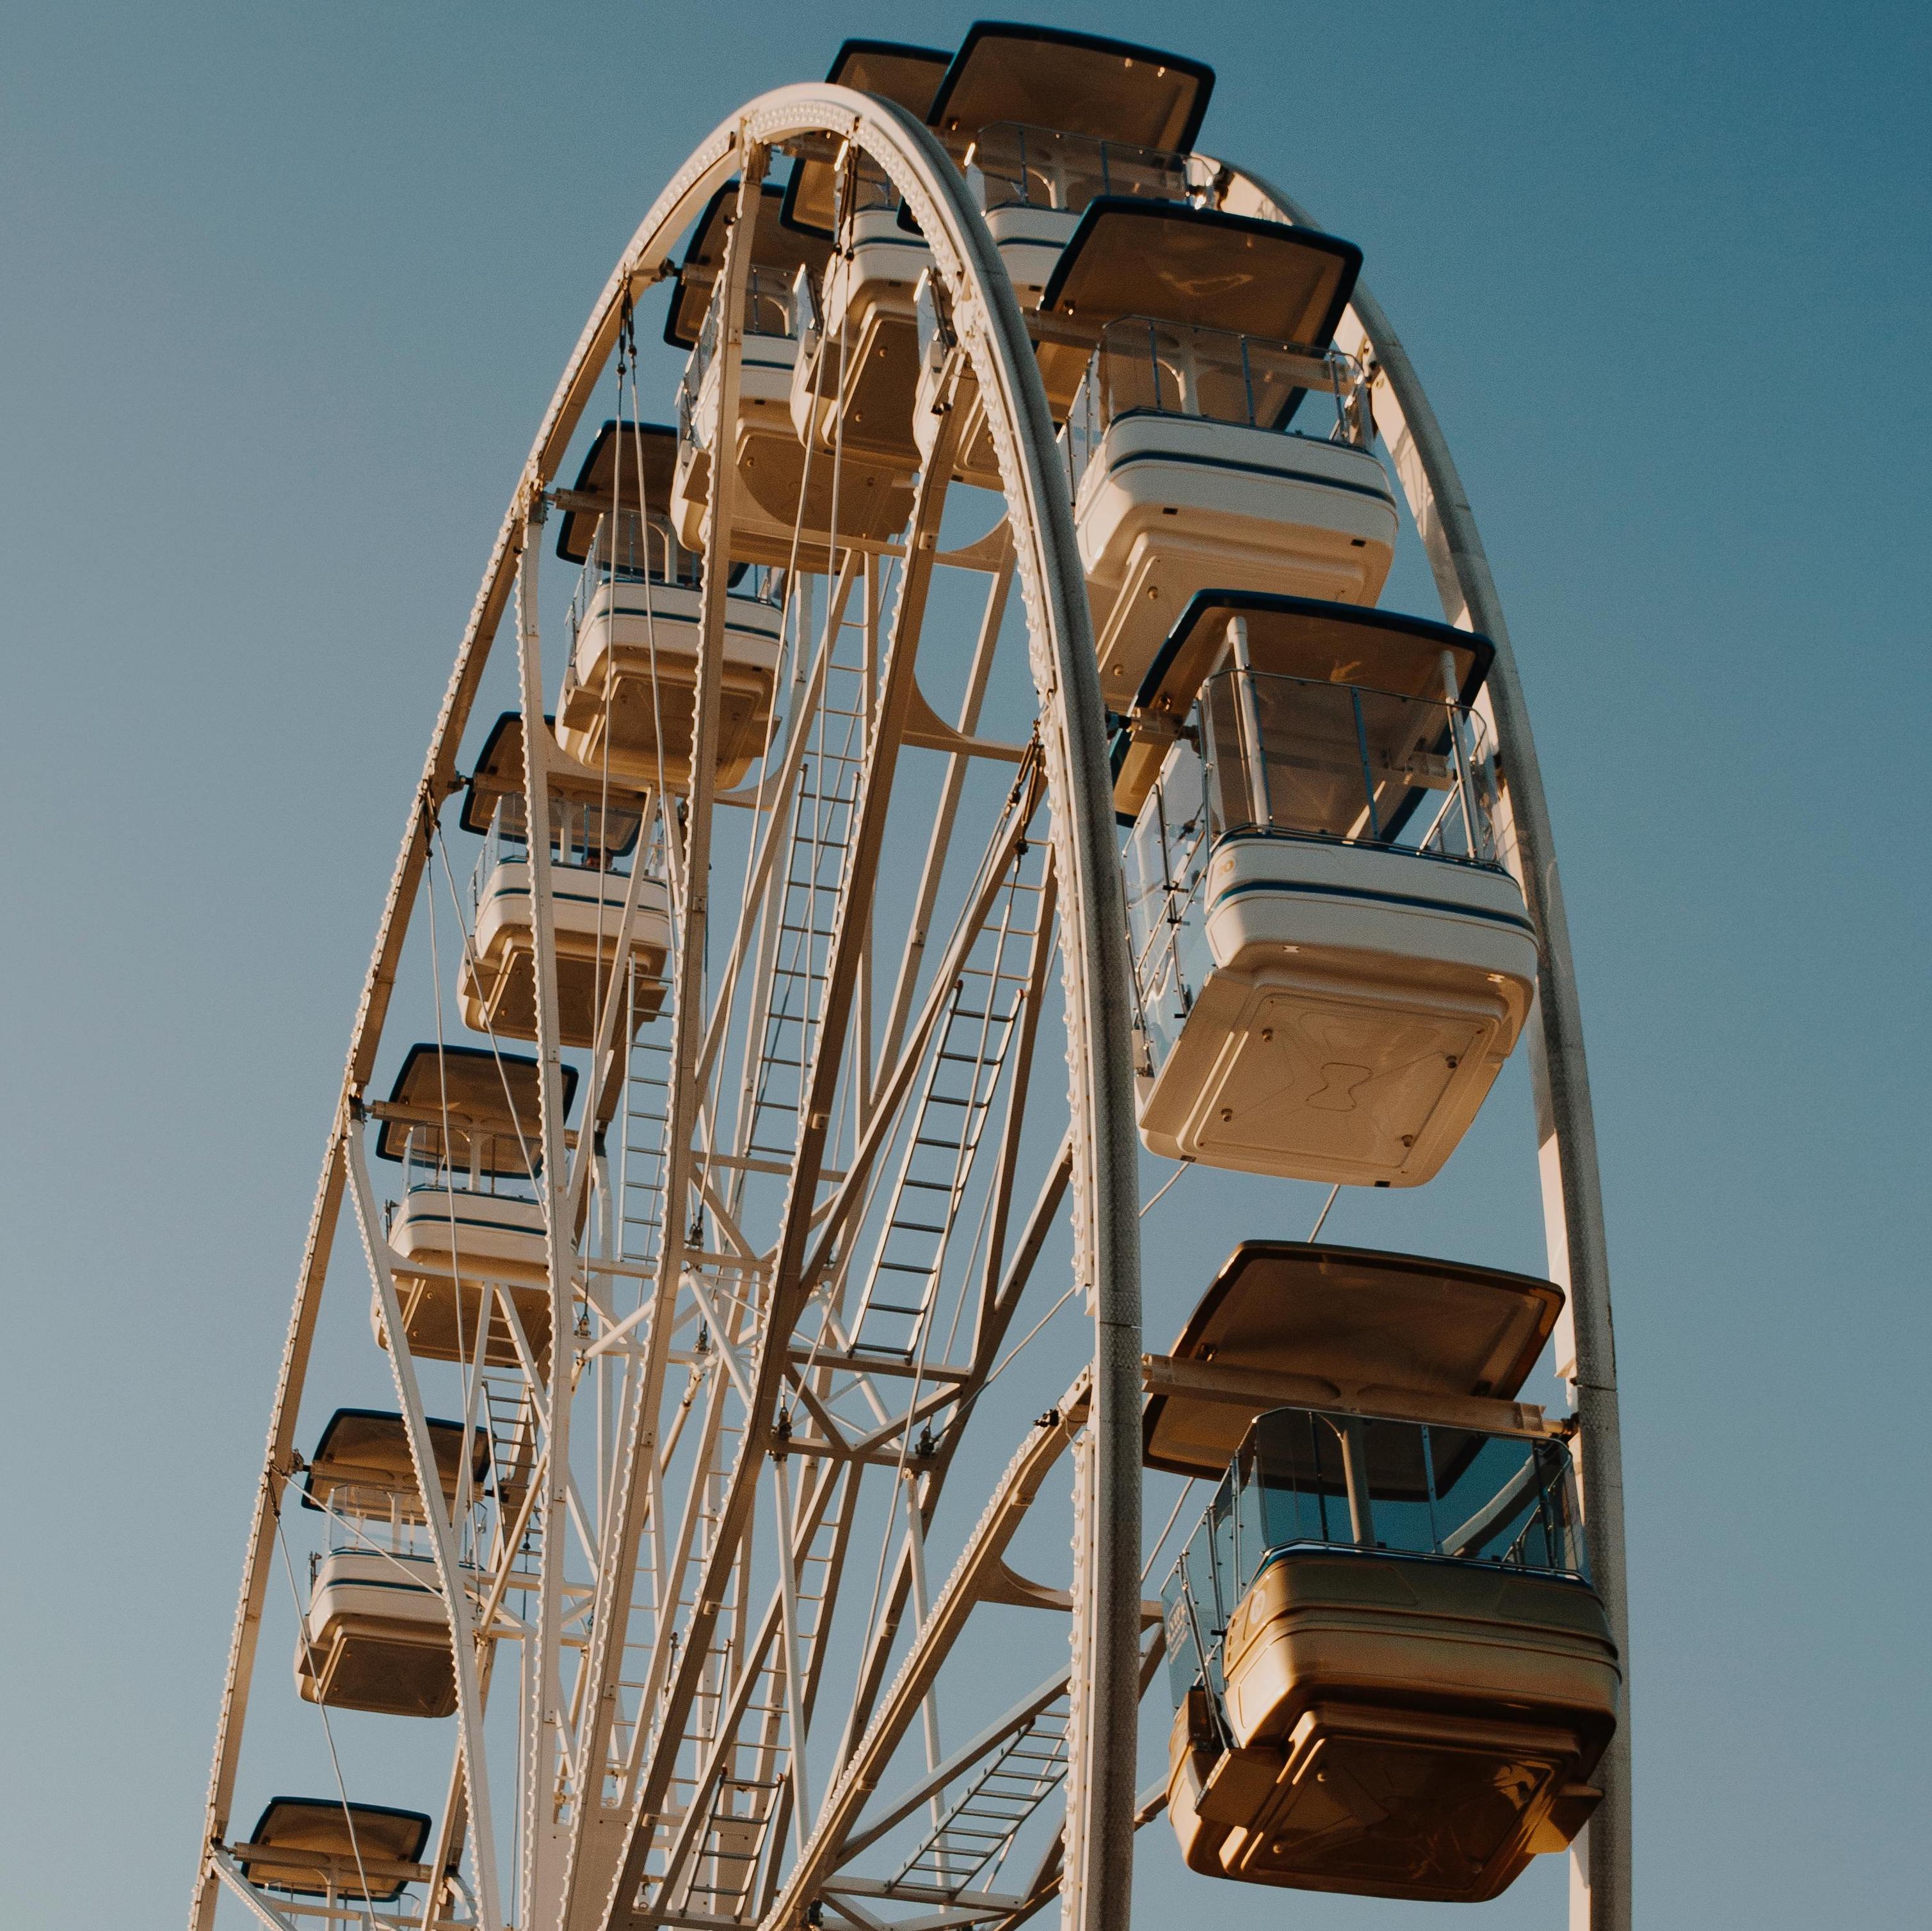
{"type": "Point", "coordinates": [594, 830]}
{"type": "Point", "coordinates": [787, 506]}
{"type": "Point", "coordinates": [1333, 961]}
{"type": "Point", "coordinates": [376, 1635]}
{"type": "Point", "coordinates": [465, 1126]}
{"type": "Point", "coordinates": [1391, 1675]}
{"type": "Point", "coordinates": [625, 712]}
{"type": "Point", "coordinates": [858, 362]}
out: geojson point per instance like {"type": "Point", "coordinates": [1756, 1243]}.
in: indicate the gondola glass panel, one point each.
{"type": "Point", "coordinates": [1033, 185]}
{"type": "Point", "coordinates": [1333, 963]}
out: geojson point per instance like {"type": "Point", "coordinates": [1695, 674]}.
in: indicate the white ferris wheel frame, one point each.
{"type": "Point", "coordinates": [1101, 1806]}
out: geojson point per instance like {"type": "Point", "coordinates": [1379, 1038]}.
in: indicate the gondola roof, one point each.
{"type": "Point", "coordinates": [498, 774]}
{"type": "Point", "coordinates": [326, 1828]}
{"type": "Point", "coordinates": [490, 1095]}
{"type": "Point", "coordinates": [368, 1450]}
{"type": "Point", "coordinates": [1304, 636]}
{"type": "Point", "coordinates": [1080, 83]}
{"type": "Point", "coordinates": [906, 75]}
{"type": "Point", "coordinates": [650, 447]}
{"type": "Point", "coordinates": [1200, 268]}
{"type": "Point", "coordinates": [1290, 636]}
{"type": "Point", "coordinates": [1361, 1319]}
{"type": "Point", "coordinates": [774, 245]}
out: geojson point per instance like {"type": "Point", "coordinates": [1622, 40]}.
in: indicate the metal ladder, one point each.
{"type": "Point", "coordinates": [976, 1833]}
{"type": "Point", "coordinates": [961, 1082]}
{"type": "Point", "coordinates": [510, 1421]}
{"type": "Point", "coordinates": [822, 814]}
{"type": "Point", "coordinates": [747, 1800]}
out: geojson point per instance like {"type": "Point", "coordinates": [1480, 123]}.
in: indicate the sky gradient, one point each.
{"type": "Point", "coordinates": [285, 291]}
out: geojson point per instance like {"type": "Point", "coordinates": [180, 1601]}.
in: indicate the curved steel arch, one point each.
{"type": "Point", "coordinates": [1095, 966]}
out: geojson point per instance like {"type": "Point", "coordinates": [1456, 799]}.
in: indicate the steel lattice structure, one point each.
{"type": "Point", "coordinates": [810, 1224]}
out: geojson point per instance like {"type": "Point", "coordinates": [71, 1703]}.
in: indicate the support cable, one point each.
{"type": "Point", "coordinates": [328, 1731]}
{"type": "Point", "coordinates": [1315, 1232]}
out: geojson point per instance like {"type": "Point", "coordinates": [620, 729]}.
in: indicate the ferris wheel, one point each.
{"type": "Point", "coordinates": [755, 1511]}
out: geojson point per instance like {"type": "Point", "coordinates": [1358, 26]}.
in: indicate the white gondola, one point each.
{"type": "Point", "coordinates": [787, 504]}
{"type": "Point", "coordinates": [592, 834]}
{"type": "Point", "coordinates": [853, 384]}
{"type": "Point", "coordinates": [1211, 331]}
{"type": "Point", "coordinates": [376, 1636]}
{"type": "Point", "coordinates": [468, 1231]}
{"type": "Point", "coordinates": [1332, 961]}
{"type": "Point", "coordinates": [858, 363]}
{"type": "Point", "coordinates": [626, 712]}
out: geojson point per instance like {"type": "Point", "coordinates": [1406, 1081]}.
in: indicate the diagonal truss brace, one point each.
{"type": "Point", "coordinates": [977, 1564]}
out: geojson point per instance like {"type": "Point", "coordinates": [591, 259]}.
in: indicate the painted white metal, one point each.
{"type": "Point", "coordinates": [542, 1841]}
{"type": "Point", "coordinates": [1099, 1161]}
{"type": "Point", "coordinates": [1031, 240]}
{"type": "Point", "coordinates": [589, 1870]}
{"type": "Point", "coordinates": [224, 1868]}
{"type": "Point", "coordinates": [788, 1288]}
{"type": "Point", "coordinates": [1012, 1497]}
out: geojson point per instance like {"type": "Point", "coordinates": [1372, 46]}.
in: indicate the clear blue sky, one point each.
{"type": "Point", "coordinates": [282, 291]}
